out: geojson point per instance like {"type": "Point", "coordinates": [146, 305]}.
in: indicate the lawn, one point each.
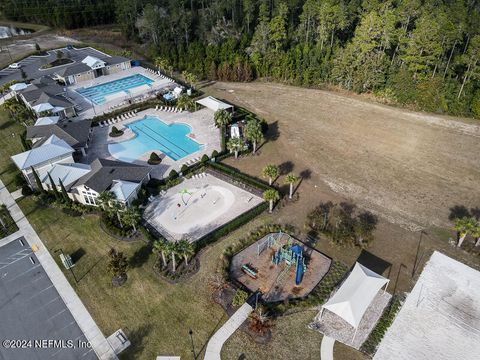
{"type": "Point", "coordinates": [10, 144]}
{"type": "Point", "coordinates": [154, 314]}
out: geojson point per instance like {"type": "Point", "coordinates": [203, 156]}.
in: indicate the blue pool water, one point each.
{"type": "Point", "coordinates": [152, 134]}
{"type": "Point", "coordinates": [97, 93]}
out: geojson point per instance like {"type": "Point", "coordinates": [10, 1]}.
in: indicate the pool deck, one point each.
{"type": "Point", "coordinates": [90, 110]}
{"type": "Point", "coordinates": [200, 121]}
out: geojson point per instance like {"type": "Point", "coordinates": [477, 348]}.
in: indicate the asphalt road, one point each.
{"type": "Point", "coordinates": [35, 322]}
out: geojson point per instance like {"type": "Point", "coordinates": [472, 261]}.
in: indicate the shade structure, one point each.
{"type": "Point", "coordinates": [18, 86]}
{"type": "Point", "coordinates": [214, 104]}
{"type": "Point", "coordinates": [355, 294]}
{"type": "Point", "coordinates": [42, 107]}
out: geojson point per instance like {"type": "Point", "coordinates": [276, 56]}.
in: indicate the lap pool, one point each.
{"type": "Point", "coordinates": [152, 134]}
{"type": "Point", "coordinates": [97, 93]}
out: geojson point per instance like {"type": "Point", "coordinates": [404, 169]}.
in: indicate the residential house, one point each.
{"type": "Point", "coordinates": [44, 95]}
{"type": "Point", "coordinates": [121, 178]}
{"type": "Point", "coordinates": [77, 134]}
{"type": "Point", "coordinates": [42, 158]}
{"type": "Point", "coordinates": [91, 67]}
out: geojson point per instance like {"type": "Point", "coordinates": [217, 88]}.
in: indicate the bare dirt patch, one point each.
{"type": "Point", "coordinates": [408, 167]}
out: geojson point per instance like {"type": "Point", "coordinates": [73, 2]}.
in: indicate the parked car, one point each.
{"type": "Point", "coordinates": [15, 66]}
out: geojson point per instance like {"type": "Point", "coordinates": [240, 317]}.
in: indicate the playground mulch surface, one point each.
{"type": "Point", "coordinates": [274, 285]}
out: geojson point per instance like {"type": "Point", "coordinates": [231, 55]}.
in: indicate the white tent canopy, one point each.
{"type": "Point", "coordinates": [355, 295]}
{"type": "Point", "coordinates": [214, 104]}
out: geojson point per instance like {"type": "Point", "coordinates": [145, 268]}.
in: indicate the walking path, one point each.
{"type": "Point", "coordinates": [214, 346]}
{"type": "Point", "coordinates": [326, 350]}
{"type": "Point", "coordinates": [81, 315]}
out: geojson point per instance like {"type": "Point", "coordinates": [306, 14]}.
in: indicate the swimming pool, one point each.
{"type": "Point", "coordinates": [152, 134]}
{"type": "Point", "coordinates": [97, 93]}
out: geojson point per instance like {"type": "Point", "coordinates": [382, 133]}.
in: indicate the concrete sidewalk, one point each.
{"type": "Point", "coordinates": [214, 346]}
{"type": "Point", "coordinates": [81, 315]}
{"type": "Point", "coordinates": [326, 350]}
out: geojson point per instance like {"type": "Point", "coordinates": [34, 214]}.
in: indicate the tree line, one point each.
{"type": "Point", "coordinates": [65, 14]}
{"type": "Point", "coordinates": [420, 53]}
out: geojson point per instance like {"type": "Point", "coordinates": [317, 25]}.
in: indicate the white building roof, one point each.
{"type": "Point", "coordinates": [440, 318]}
{"type": "Point", "coordinates": [213, 104]}
{"type": "Point", "coordinates": [18, 86]}
{"type": "Point", "coordinates": [93, 62]}
{"type": "Point", "coordinates": [123, 189]}
{"type": "Point", "coordinates": [355, 294]}
{"type": "Point", "coordinates": [47, 120]}
{"type": "Point", "coordinates": [67, 173]}
{"type": "Point", "coordinates": [53, 147]}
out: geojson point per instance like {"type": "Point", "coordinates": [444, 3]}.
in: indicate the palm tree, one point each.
{"type": "Point", "coordinates": [117, 266]}
{"type": "Point", "coordinates": [476, 233]}
{"type": "Point", "coordinates": [185, 102]}
{"type": "Point", "coordinates": [132, 216]}
{"type": "Point", "coordinates": [222, 118]}
{"type": "Point", "coordinates": [173, 250]}
{"type": "Point", "coordinates": [463, 227]}
{"type": "Point", "coordinates": [290, 179]}
{"type": "Point", "coordinates": [233, 145]}
{"type": "Point", "coordinates": [271, 172]}
{"type": "Point", "coordinates": [116, 208]}
{"type": "Point", "coordinates": [253, 132]}
{"type": "Point", "coordinates": [271, 195]}
{"type": "Point", "coordinates": [104, 199]}
{"type": "Point", "coordinates": [185, 249]}
{"type": "Point", "coordinates": [161, 246]}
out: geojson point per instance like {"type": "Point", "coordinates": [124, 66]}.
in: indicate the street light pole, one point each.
{"type": "Point", "coordinates": [190, 332]}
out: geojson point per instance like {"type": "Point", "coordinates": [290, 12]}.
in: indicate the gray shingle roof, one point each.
{"type": "Point", "coordinates": [73, 133]}
{"type": "Point", "coordinates": [105, 171]}
{"type": "Point", "coordinates": [73, 69]}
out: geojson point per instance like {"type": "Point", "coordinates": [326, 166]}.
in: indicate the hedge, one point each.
{"type": "Point", "coordinates": [236, 174]}
{"type": "Point", "coordinates": [230, 226]}
{"type": "Point", "coordinates": [369, 347]}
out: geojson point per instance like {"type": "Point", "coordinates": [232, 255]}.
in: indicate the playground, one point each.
{"type": "Point", "coordinates": [280, 267]}
{"type": "Point", "coordinates": [197, 206]}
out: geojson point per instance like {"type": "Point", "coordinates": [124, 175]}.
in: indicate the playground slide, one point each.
{"type": "Point", "coordinates": [299, 275]}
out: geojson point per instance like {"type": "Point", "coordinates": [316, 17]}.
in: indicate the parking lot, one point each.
{"type": "Point", "coordinates": [31, 65]}
{"type": "Point", "coordinates": [36, 323]}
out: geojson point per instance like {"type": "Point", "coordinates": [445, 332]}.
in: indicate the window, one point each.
{"type": "Point", "coordinates": [89, 197]}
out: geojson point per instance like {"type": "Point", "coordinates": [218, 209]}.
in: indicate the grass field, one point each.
{"type": "Point", "coordinates": [156, 315]}
{"type": "Point", "coordinates": [10, 144]}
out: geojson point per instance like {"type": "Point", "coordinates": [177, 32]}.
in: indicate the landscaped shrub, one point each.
{"type": "Point", "coordinates": [234, 173]}
{"type": "Point", "coordinates": [154, 159]}
{"type": "Point", "coordinates": [370, 345]}
{"type": "Point", "coordinates": [7, 224]}
{"type": "Point", "coordinates": [26, 190]}
{"type": "Point", "coordinates": [115, 132]}
{"type": "Point", "coordinates": [173, 174]}
{"type": "Point", "coordinates": [239, 298]}
{"type": "Point", "coordinates": [214, 153]}
{"type": "Point", "coordinates": [184, 169]}
{"type": "Point", "coordinates": [204, 158]}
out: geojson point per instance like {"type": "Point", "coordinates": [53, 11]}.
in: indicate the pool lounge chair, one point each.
{"type": "Point", "coordinates": [156, 108]}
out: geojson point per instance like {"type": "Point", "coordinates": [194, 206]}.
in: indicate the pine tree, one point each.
{"type": "Point", "coordinates": [37, 181]}
{"type": "Point", "coordinates": [65, 196]}
{"type": "Point", "coordinates": [54, 187]}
